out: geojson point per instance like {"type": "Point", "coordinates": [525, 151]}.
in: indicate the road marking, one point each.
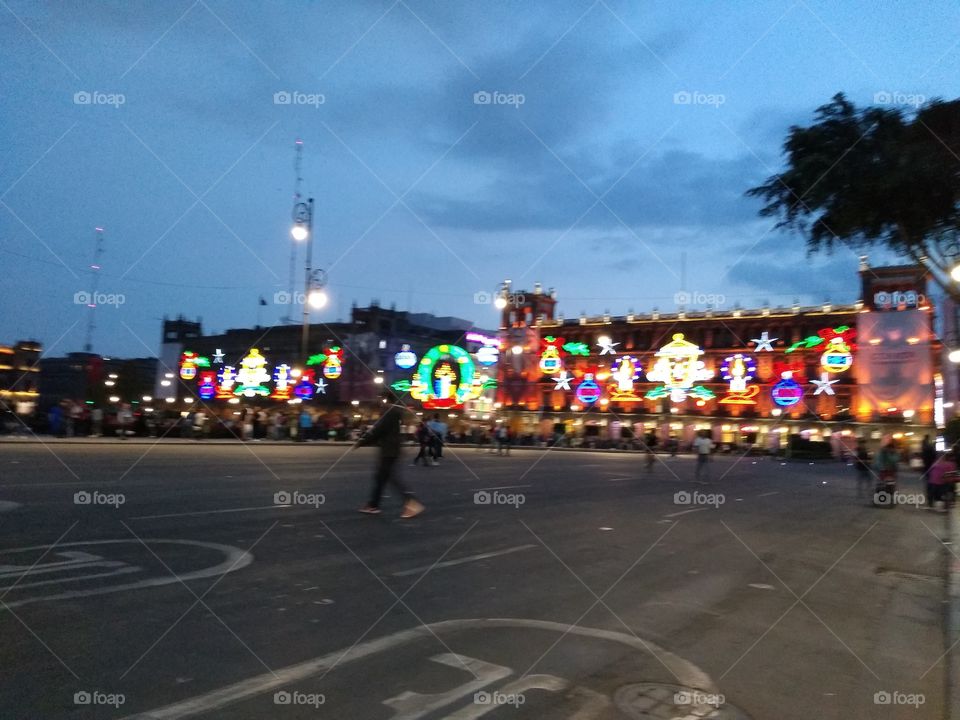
{"type": "Point", "coordinates": [211, 512]}
{"type": "Point", "coordinates": [685, 672]}
{"type": "Point", "coordinates": [7, 505]}
{"type": "Point", "coordinates": [501, 487]}
{"type": "Point", "coordinates": [618, 479]}
{"type": "Point", "coordinates": [684, 512]}
{"type": "Point", "coordinates": [767, 494]}
{"type": "Point", "coordinates": [762, 586]}
{"type": "Point", "coordinates": [463, 560]}
{"type": "Point", "coordinates": [236, 559]}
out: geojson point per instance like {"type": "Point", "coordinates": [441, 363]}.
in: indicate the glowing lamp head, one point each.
{"type": "Point", "coordinates": [954, 356]}
{"type": "Point", "coordinates": [317, 299]}
{"type": "Point", "coordinates": [299, 232]}
{"type": "Point", "coordinates": [516, 349]}
{"type": "Point", "coordinates": [955, 273]}
{"type": "Point", "coordinates": [500, 303]}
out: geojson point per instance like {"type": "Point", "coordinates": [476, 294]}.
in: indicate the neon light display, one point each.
{"type": "Point", "coordinates": [488, 355]}
{"type": "Point", "coordinates": [317, 359]}
{"type": "Point", "coordinates": [227, 377]}
{"type": "Point", "coordinates": [625, 371]}
{"type": "Point", "coordinates": [577, 348]}
{"type": "Point", "coordinates": [321, 386]}
{"type": "Point", "coordinates": [283, 383]}
{"type": "Point", "coordinates": [207, 385]}
{"type": "Point", "coordinates": [188, 365]}
{"type": "Point", "coordinates": [679, 368]}
{"type": "Point", "coordinates": [764, 342]}
{"type": "Point", "coordinates": [218, 357]}
{"type": "Point", "coordinates": [562, 380]}
{"type": "Point", "coordinates": [333, 365]}
{"type": "Point", "coordinates": [550, 359]}
{"type": "Point", "coordinates": [304, 388]}
{"type": "Point", "coordinates": [739, 370]}
{"type": "Point", "coordinates": [838, 357]}
{"type": "Point", "coordinates": [607, 345]}
{"type": "Point", "coordinates": [588, 392]}
{"type": "Point", "coordinates": [823, 384]}
{"type": "Point", "coordinates": [787, 392]}
{"type": "Point", "coordinates": [406, 358]}
{"type": "Point", "coordinates": [445, 378]}
{"type": "Point", "coordinates": [482, 339]}
{"type": "Point", "coordinates": [253, 375]}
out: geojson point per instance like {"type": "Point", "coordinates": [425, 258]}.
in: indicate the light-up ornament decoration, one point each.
{"type": "Point", "coordinates": [488, 355]}
{"type": "Point", "coordinates": [317, 359]}
{"type": "Point", "coordinates": [562, 380]}
{"type": "Point", "coordinates": [406, 358]}
{"type": "Point", "coordinates": [207, 385]}
{"type": "Point", "coordinates": [838, 347]}
{"type": "Point", "coordinates": [764, 342]}
{"type": "Point", "coordinates": [189, 362]}
{"type": "Point", "coordinates": [253, 375]}
{"type": "Point", "coordinates": [550, 359]}
{"type": "Point", "coordinates": [333, 365]}
{"type": "Point", "coordinates": [679, 368]}
{"type": "Point", "coordinates": [445, 378]}
{"type": "Point", "coordinates": [607, 345]}
{"type": "Point", "coordinates": [625, 371]}
{"type": "Point", "coordinates": [739, 370]}
{"type": "Point", "coordinates": [588, 392]}
{"type": "Point", "coordinates": [227, 377]}
{"type": "Point", "coordinates": [282, 383]}
{"type": "Point", "coordinates": [823, 384]}
{"type": "Point", "coordinates": [305, 385]}
{"type": "Point", "coordinates": [787, 392]}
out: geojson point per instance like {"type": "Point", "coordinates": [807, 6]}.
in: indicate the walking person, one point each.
{"type": "Point", "coordinates": [928, 456]}
{"type": "Point", "coordinates": [422, 437]}
{"type": "Point", "coordinates": [862, 463]}
{"type": "Point", "coordinates": [439, 430]}
{"type": "Point", "coordinates": [124, 420]}
{"type": "Point", "coordinates": [386, 434]}
{"type": "Point", "coordinates": [702, 446]}
{"type": "Point", "coordinates": [941, 481]}
{"type": "Point", "coordinates": [885, 463]}
{"type": "Point", "coordinates": [305, 429]}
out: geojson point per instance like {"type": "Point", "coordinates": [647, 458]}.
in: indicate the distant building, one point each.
{"type": "Point", "coordinates": [20, 376]}
{"type": "Point", "coordinates": [88, 378]}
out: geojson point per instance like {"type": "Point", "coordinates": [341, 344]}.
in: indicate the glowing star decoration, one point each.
{"type": "Point", "coordinates": [253, 375]}
{"type": "Point", "coordinates": [321, 386]}
{"type": "Point", "coordinates": [188, 365]}
{"type": "Point", "coordinates": [283, 383]}
{"type": "Point", "coordinates": [207, 385]}
{"type": "Point", "coordinates": [625, 371]}
{"type": "Point", "coordinates": [406, 358]}
{"type": "Point", "coordinates": [305, 385]}
{"type": "Point", "coordinates": [227, 377]}
{"type": "Point", "coordinates": [588, 392]}
{"type": "Point", "coordinates": [823, 384]}
{"type": "Point", "coordinates": [679, 368]}
{"type": "Point", "coordinates": [787, 392]}
{"type": "Point", "coordinates": [333, 365]}
{"type": "Point", "coordinates": [445, 378]}
{"type": "Point", "coordinates": [739, 370]}
{"type": "Point", "coordinates": [550, 359]}
{"type": "Point", "coordinates": [607, 345]}
{"type": "Point", "coordinates": [218, 357]}
{"type": "Point", "coordinates": [562, 380]}
{"type": "Point", "coordinates": [577, 348]}
{"type": "Point", "coordinates": [764, 342]}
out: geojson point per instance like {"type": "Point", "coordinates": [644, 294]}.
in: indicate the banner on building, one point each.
{"type": "Point", "coordinates": [894, 366]}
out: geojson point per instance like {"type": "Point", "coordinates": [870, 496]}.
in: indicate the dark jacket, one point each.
{"type": "Point", "coordinates": [386, 433]}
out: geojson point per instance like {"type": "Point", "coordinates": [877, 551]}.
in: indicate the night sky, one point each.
{"type": "Point", "coordinates": [586, 170]}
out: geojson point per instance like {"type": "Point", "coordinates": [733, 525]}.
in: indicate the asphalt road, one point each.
{"type": "Point", "coordinates": [585, 589]}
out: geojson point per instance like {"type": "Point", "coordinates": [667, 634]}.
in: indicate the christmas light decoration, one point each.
{"type": "Point", "coordinates": [321, 386]}
{"type": "Point", "coordinates": [283, 383]}
{"type": "Point", "coordinates": [787, 392]}
{"type": "Point", "coordinates": [305, 385]}
{"type": "Point", "coordinates": [218, 357]}
{"type": "Point", "coordinates": [577, 348]}
{"type": "Point", "coordinates": [406, 358]}
{"type": "Point", "coordinates": [550, 359]}
{"type": "Point", "coordinates": [625, 371]}
{"type": "Point", "coordinates": [738, 370]}
{"type": "Point", "coordinates": [823, 384]}
{"type": "Point", "coordinates": [227, 377]}
{"type": "Point", "coordinates": [188, 365]}
{"type": "Point", "coordinates": [207, 385]}
{"type": "Point", "coordinates": [588, 392]}
{"type": "Point", "coordinates": [488, 355]}
{"type": "Point", "coordinates": [445, 378]}
{"type": "Point", "coordinates": [317, 359]}
{"type": "Point", "coordinates": [764, 342]}
{"type": "Point", "coordinates": [252, 375]}
{"type": "Point", "coordinates": [333, 365]}
{"type": "Point", "coordinates": [679, 368]}
{"type": "Point", "coordinates": [606, 345]}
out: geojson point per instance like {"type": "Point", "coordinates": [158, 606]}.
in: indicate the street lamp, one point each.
{"type": "Point", "coordinates": [302, 231]}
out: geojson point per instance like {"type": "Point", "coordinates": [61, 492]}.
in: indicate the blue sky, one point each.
{"type": "Point", "coordinates": [597, 184]}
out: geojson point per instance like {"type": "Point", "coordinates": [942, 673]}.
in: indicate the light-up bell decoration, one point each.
{"type": "Point", "coordinates": [838, 357]}
{"type": "Point", "coordinates": [625, 371]}
{"type": "Point", "coordinates": [550, 359]}
{"type": "Point", "coordinates": [739, 370]}
{"type": "Point", "coordinates": [679, 368]}
{"type": "Point", "coordinates": [188, 365]}
{"type": "Point", "coordinates": [333, 365]}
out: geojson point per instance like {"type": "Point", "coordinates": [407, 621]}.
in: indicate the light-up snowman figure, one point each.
{"type": "Point", "coordinates": [679, 368]}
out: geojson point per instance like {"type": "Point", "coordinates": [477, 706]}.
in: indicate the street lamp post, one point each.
{"type": "Point", "coordinates": [303, 230]}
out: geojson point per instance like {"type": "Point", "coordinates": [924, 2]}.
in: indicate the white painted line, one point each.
{"type": "Point", "coordinates": [762, 586]}
{"type": "Point", "coordinates": [686, 672]}
{"type": "Point", "coordinates": [235, 560]}
{"type": "Point", "coordinates": [684, 512]}
{"type": "Point", "coordinates": [463, 560]}
{"type": "Point", "coordinates": [767, 494]}
{"type": "Point", "coordinates": [618, 479]}
{"type": "Point", "coordinates": [211, 512]}
{"type": "Point", "coordinates": [501, 487]}
{"type": "Point", "coordinates": [7, 505]}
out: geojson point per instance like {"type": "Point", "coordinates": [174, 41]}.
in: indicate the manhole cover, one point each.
{"type": "Point", "coordinates": [657, 701]}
